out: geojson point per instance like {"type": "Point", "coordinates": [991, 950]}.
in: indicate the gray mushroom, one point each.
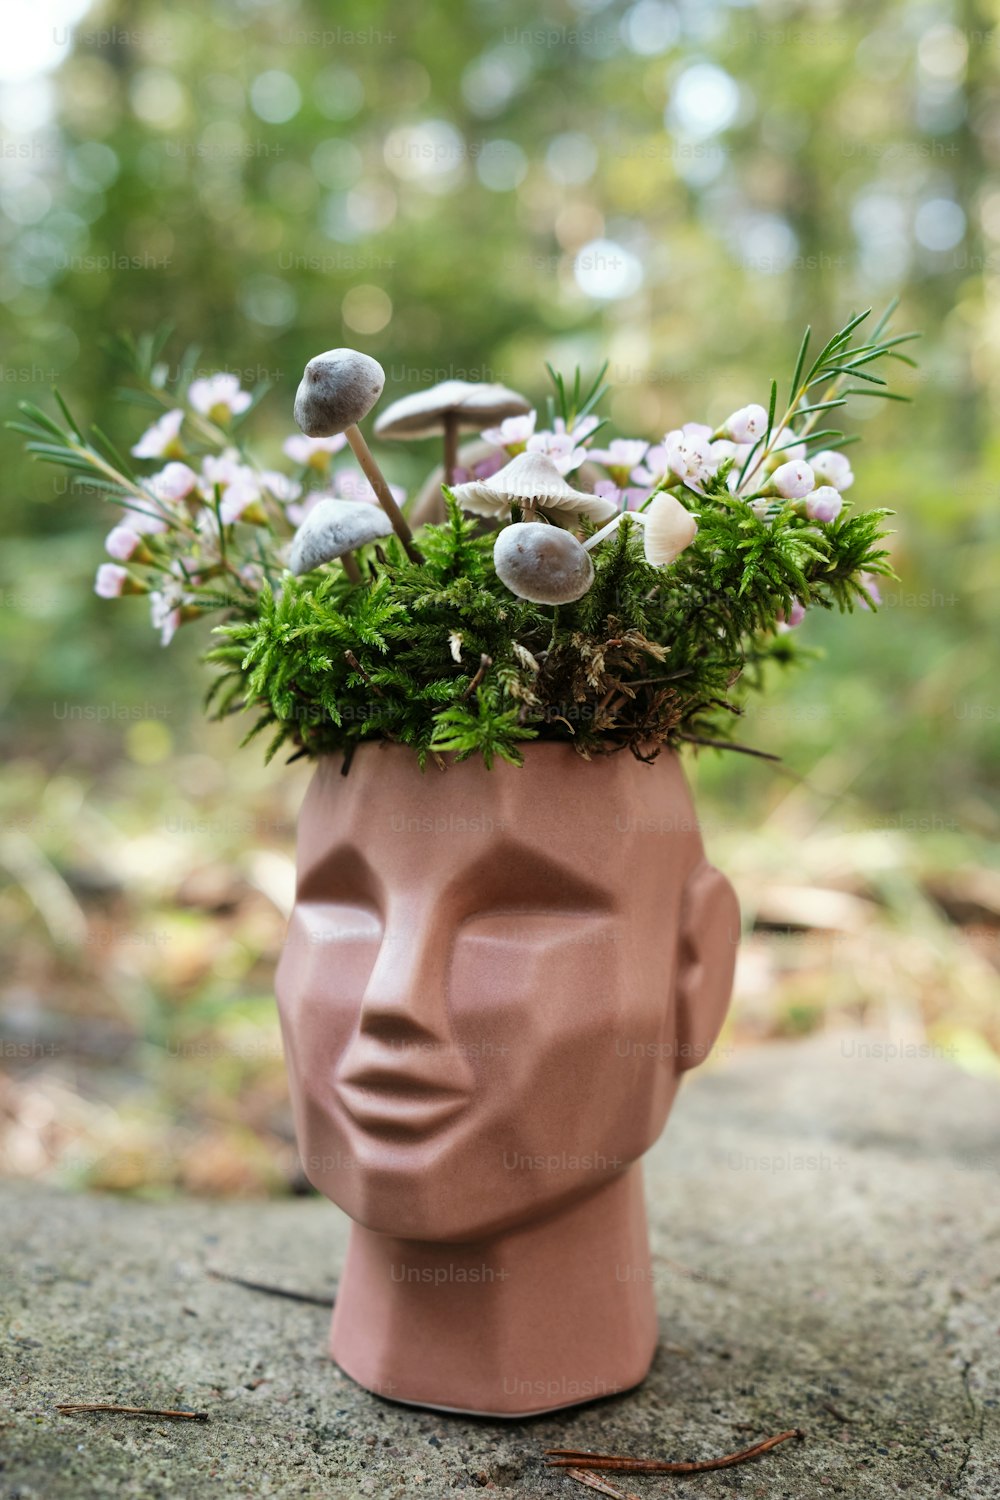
{"type": "Point", "coordinates": [337, 390]}
{"type": "Point", "coordinates": [542, 563]}
{"type": "Point", "coordinates": [446, 408]}
{"type": "Point", "coordinates": [332, 529]}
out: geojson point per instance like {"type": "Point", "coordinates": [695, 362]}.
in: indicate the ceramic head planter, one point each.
{"type": "Point", "coordinates": [507, 945]}
{"type": "Point", "coordinates": [492, 984]}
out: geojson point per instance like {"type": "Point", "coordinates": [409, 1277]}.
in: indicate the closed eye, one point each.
{"type": "Point", "coordinates": [521, 925]}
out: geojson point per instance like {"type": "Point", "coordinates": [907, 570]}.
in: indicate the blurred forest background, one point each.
{"type": "Point", "coordinates": [466, 189]}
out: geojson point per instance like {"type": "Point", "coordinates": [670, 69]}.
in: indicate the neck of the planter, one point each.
{"type": "Point", "coordinates": [544, 1316]}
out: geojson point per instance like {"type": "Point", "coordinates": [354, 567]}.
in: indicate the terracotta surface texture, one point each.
{"type": "Point", "coordinates": [491, 986]}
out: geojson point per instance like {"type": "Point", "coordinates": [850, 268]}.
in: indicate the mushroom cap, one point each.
{"type": "Point", "coordinates": [336, 391]}
{"type": "Point", "coordinates": [332, 528]}
{"type": "Point", "coordinates": [423, 413]}
{"type": "Point", "coordinates": [668, 530]}
{"type": "Point", "coordinates": [542, 563]}
{"type": "Point", "coordinates": [530, 479]}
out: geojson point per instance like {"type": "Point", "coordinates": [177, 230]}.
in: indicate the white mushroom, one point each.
{"type": "Point", "coordinates": [532, 481]}
{"type": "Point", "coordinates": [542, 563]}
{"type": "Point", "coordinates": [446, 408]}
{"type": "Point", "coordinates": [332, 529]}
{"type": "Point", "coordinates": [667, 529]}
{"type": "Point", "coordinates": [336, 391]}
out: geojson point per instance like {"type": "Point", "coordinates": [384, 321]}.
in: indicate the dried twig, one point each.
{"type": "Point", "coordinates": [485, 662]}
{"type": "Point", "coordinates": [564, 1458]}
{"type": "Point", "coordinates": [69, 1408]}
{"type": "Point", "coordinates": [352, 661]}
{"type": "Point", "coordinates": [694, 739]}
{"type": "Point", "coordinates": [271, 1291]}
{"type": "Point", "coordinates": [602, 1486]}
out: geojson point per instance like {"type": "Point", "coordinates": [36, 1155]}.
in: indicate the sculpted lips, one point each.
{"type": "Point", "coordinates": [412, 1094]}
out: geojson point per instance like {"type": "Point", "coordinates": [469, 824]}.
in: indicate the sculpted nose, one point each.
{"type": "Point", "coordinates": [404, 1035]}
{"type": "Point", "coordinates": [407, 987]}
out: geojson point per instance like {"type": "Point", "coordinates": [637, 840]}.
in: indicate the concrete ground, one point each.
{"type": "Point", "coordinates": [827, 1233]}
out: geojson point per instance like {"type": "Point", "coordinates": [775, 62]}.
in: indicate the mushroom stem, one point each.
{"type": "Point", "coordinates": [351, 568]}
{"type": "Point", "coordinates": [376, 479]}
{"type": "Point", "coordinates": [612, 526]}
{"type": "Point", "coordinates": [450, 446]}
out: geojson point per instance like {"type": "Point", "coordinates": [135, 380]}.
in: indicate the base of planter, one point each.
{"type": "Point", "coordinates": [503, 1416]}
{"type": "Point", "coordinates": [535, 1319]}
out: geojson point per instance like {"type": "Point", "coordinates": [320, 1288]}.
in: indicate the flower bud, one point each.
{"type": "Point", "coordinates": [122, 543]}
{"type": "Point", "coordinates": [746, 425]}
{"type": "Point", "coordinates": [112, 581]}
{"type": "Point", "coordinates": [831, 467]}
{"type": "Point", "coordinates": [793, 480]}
{"type": "Point", "coordinates": [796, 614]}
{"type": "Point", "coordinates": [824, 504]}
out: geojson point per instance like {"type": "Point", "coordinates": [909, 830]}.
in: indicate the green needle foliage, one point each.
{"type": "Point", "coordinates": [444, 659]}
{"type": "Point", "coordinates": [442, 656]}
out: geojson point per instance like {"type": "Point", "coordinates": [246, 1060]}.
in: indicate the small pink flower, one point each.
{"type": "Point", "coordinates": [796, 614]}
{"type": "Point", "coordinates": [110, 581]}
{"type": "Point", "coordinates": [122, 542]}
{"type": "Point", "coordinates": [175, 482]}
{"type": "Point", "coordinates": [218, 397]}
{"type": "Point", "coordinates": [793, 480]}
{"type": "Point", "coordinates": [145, 522]}
{"type": "Point", "coordinates": [316, 452]}
{"type": "Point", "coordinates": [746, 425]}
{"type": "Point", "coordinates": [654, 469]}
{"type": "Point", "coordinates": [280, 486]}
{"type": "Point", "coordinates": [238, 496]}
{"type": "Point", "coordinates": [833, 467]}
{"type": "Point", "coordinates": [579, 430]}
{"type": "Point", "coordinates": [869, 581]}
{"type": "Point", "coordinates": [162, 440]}
{"type": "Point", "coordinates": [824, 504]}
{"type": "Point", "coordinates": [629, 497]}
{"type": "Point", "coordinates": [222, 468]}
{"type": "Point", "coordinates": [561, 447]}
{"type": "Point", "coordinates": [512, 434]}
{"type": "Point", "coordinates": [621, 456]}
{"type": "Point", "coordinates": [688, 456]}
{"type": "Point", "coordinates": [164, 612]}
{"type": "Point", "coordinates": [487, 467]}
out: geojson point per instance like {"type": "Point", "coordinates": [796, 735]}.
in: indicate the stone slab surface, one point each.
{"type": "Point", "coordinates": [826, 1227]}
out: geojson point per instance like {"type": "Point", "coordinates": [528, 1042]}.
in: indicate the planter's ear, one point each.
{"type": "Point", "coordinates": [710, 932]}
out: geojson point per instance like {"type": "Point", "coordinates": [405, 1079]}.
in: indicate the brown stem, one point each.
{"type": "Point", "coordinates": [485, 662]}
{"type": "Point", "coordinates": [352, 661]}
{"type": "Point", "coordinates": [376, 479]}
{"type": "Point", "coordinates": [351, 568]}
{"type": "Point", "coordinates": [450, 446]}
{"type": "Point", "coordinates": [564, 1458]}
{"type": "Point", "coordinates": [602, 1486]}
{"type": "Point", "coordinates": [267, 1288]}
{"type": "Point", "coordinates": [695, 739]}
{"type": "Point", "coordinates": [70, 1408]}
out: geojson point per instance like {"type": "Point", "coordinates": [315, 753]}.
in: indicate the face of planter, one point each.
{"type": "Point", "coordinates": [493, 981]}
